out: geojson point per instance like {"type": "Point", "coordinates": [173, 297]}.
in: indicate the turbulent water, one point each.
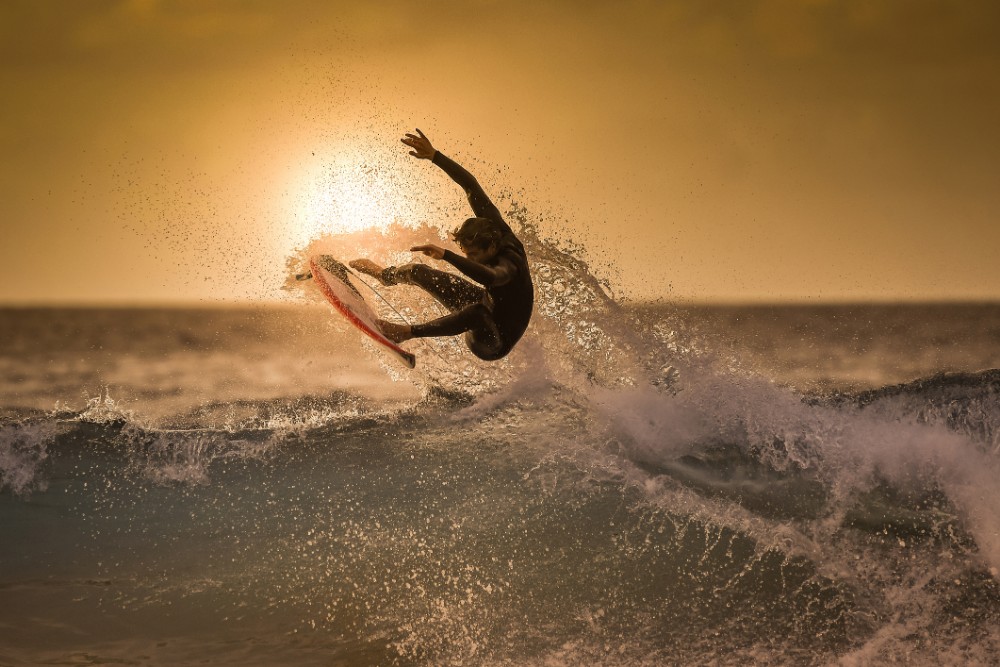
{"type": "Point", "coordinates": [260, 486]}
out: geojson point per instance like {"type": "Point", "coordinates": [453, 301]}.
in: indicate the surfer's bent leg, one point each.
{"type": "Point", "coordinates": [476, 322]}
{"type": "Point", "coordinates": [453, 292]}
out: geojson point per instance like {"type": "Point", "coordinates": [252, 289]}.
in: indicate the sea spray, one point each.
{"type": "Point", "coordinates": [23, 451]}
{"type": "Point", "coordinates": [562, 506]}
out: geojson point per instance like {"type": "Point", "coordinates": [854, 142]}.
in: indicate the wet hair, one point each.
{"type": "Point", "coordinates": [477, 233]}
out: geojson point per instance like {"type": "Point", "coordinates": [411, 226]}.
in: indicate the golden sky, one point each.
{"type": "Point", "coordinates": [752, 150]}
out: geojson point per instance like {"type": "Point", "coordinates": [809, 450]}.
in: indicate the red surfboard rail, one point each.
{"type": "Point", "coordinates": [348, 302]}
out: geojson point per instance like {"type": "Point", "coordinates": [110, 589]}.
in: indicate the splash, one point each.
{"type": "Point", "coordinates": [719, 429]}
{"type": "Point", "coordinates": [103, 409]}
{"type": "Point", "coordinates": [586, 335]}
{"type": "Point", "coordinates": [23, 453]}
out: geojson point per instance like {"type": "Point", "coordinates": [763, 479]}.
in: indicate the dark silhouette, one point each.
{"type": "Point", "coordinates": [493, 314]}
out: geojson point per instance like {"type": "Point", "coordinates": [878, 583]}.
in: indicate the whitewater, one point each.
{"type": "Point", "coordinates": [637, 484]}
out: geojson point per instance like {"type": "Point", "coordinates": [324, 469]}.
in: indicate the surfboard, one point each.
{"type": "Point", "coordinates": [334, 281]}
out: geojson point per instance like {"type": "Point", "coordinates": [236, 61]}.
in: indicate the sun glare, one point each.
{"type": "Point", "coordinates": [350, 192]}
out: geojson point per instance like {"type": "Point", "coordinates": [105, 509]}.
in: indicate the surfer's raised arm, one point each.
{"type": "Point", "coordinates": [478, 200]}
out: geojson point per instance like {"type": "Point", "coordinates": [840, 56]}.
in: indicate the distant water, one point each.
{"type": "Point", "coordinates": [259, 486]}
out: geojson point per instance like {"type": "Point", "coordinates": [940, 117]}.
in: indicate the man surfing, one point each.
{"type": "Point", "coordinates": [492, 314]}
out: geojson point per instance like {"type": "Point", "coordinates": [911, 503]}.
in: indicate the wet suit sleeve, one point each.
{"type": "Point", "coordinates": [488, 276]}
{"type": "Point", "coordinates": [481, 204]}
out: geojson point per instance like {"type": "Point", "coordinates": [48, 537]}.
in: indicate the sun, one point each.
{"type": "Point", "coordinates": [350, 191]}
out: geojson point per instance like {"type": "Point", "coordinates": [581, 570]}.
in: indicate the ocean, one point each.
{"type": "Point", "coordinates": [637, 484]}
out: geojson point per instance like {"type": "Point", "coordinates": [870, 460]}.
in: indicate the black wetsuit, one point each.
{"type": "Point", "coordinates": [494, 318]}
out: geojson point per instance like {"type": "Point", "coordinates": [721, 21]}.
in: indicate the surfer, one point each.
{"type": "Point", "coordinates": [492, 314]}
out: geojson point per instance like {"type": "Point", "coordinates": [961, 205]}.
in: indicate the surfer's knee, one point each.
{"type": "Point", "coordinates": [483, 338]}
{"type": "Point", "coordinates": [486, 345]}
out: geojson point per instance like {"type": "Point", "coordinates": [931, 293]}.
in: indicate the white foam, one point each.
{"type": "Point", "coordinates": [23, 452]}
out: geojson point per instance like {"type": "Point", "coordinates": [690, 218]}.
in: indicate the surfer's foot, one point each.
{"type": "Point", "coordinates": [397, 333]}
{"type": "Point", "coordinates": [370, 268]}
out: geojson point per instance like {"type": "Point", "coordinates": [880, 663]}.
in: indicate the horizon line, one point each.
{"type": "Point", "coordinates": [663, 301]}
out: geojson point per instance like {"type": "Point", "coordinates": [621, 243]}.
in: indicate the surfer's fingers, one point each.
{"type": "Point", "coordinates": [421, 134]}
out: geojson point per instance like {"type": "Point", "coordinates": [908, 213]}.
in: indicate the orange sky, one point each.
{"type": "Point", "coordinates": [158, 151]}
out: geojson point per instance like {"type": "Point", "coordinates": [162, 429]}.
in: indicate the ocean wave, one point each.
{"type": "Point", "coordinates": [612, 493]}
{"type": "Point", "coordinates": [963, 402]}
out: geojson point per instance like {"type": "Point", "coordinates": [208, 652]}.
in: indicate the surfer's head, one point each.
{"type": "Point", "coordinates": [479, 238]}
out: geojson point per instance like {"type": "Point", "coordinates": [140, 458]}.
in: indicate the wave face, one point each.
{"type": "Point", "coordinates": [259, 486]}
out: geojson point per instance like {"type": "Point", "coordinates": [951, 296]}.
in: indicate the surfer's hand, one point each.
{"type": "Point", "coordinates": [421, 145]}
{"type": "Point", "coordinates": [430, 250]}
